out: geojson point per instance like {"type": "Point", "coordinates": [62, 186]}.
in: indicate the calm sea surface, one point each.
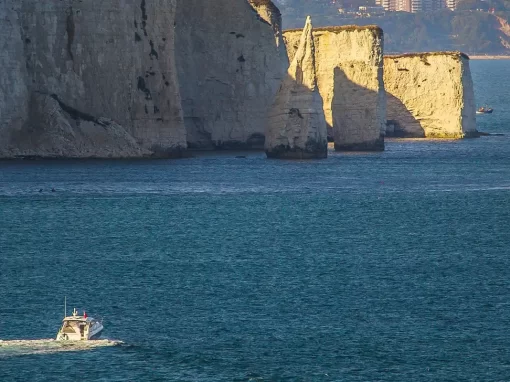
{"type": "Point", "coordinates": [392, 266]}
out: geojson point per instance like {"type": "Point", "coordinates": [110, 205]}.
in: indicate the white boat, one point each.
{"type": "Point", "coordinates": [79, 328]}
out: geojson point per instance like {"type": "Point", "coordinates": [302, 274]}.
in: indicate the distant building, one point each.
{"type": "Point", "coordinates": [404, 5]}
{"type": "Point", "coordinates": [451, 4]}
{"type": "Point", "coordinates": [348, 11]}
{"type": "Point", "coordinates": [371, 10]}
{"type": "Point", "coordinates": [416, 6]}
{"type": "Point", "coordinates": [388, 5]}
{"type": "Point", "coordinates": [420, 5]}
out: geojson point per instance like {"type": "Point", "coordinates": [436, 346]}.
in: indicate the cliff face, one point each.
{"type": "Point", "coordinates": [349, 65]}
{"type": "Point", "coordinates": [103, 72]}
{"type": "Point", "coordinates": [430, 95]}
{"type": "Point", "coordinates": [297, 128]}
{"type": "Point", "coordinates": [13, 76]}
{"type": "Point", "coordinates": [272, 15]}
{"type": "Point", "coordinates": [230, 68]}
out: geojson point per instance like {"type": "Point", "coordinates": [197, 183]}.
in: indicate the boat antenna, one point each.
{"type": "Point", "coordinates": [65, 306]}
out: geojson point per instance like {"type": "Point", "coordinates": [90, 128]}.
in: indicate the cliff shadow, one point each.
{"type": "Point", "coordinates": [200, 138]}
{"type": "Point", "coordinates": [358, 113]}
{"type": "Point", "coordinates": [296, 126]}
{"type": "Point", "coordinates": [362, 117]}
{"type": "Point", "coordinates": [400, 122]}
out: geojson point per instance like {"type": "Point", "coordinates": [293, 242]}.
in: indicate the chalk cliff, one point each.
{"type": "Point", "coordinates": [430, 95]}
{"type": "Point", "coordinates": [230, 68]}
{"type": "Point", "coordinates": [271, 14]}
{"type": "Point", "coordinates": [14, 95]}
{"type": "Point", "coordinates": [89, 79]}
{"type": "Point", "coordinates": [349, 66]}
{"type": "Point", "coordinates": [297, 127]}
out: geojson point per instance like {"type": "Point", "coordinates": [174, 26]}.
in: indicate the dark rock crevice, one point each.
{"type": "Point", "coordinates": [142, 87]}
{"type": "Point", "coordinates": [77, 114]}
{"type": "Point", "coordinates": [144, 17]}
{"type": "Point", "coordinates": [71, 31]}
{"type": "Point", "coordinates": [153, 53]}
{"type": "Point", "coordinates": [312, 150]}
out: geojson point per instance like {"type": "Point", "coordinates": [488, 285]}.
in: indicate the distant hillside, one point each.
{"type": "Point", "coordinates": [472, 32]}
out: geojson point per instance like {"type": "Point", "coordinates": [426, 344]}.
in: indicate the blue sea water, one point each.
{"type": "Point", "coordinates": [390, 266]}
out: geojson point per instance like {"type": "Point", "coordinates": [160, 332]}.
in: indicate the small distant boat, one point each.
{"type": "Point", "coordinates": [79, 328]}
{"type": "Point", "coordinates": [484, 110]}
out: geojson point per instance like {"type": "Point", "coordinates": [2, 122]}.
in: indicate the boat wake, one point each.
{"type": "Point", "coordinates": [28, 347]}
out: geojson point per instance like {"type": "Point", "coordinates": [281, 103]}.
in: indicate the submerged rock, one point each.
{"type": "Point", "coordinates": [297, 127]}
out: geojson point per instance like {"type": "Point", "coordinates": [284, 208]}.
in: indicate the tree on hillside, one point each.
{"type": "Point", "coordinates": [467, 5]}
{"type": "Point", "coordinates": [474, 32]}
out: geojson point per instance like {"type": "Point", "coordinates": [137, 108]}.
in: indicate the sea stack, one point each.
{"type": "Point", "coordinates": [430, 95]}
{"type": "Point", "coordinates": [297, 126]}
{"type": "Point", "coordinates": [349, 67]}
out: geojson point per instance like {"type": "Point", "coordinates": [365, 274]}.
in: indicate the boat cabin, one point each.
{"type": "Point", "coordinates": [79, 328]}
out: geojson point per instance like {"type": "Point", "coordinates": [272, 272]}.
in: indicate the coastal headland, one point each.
{"type": "Point", "coordinates": [81, 82]}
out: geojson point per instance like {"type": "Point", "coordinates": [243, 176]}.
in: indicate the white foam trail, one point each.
{"type": "Point", "coordinates": [26, 347]}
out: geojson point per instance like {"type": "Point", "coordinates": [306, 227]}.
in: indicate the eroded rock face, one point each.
{"type": "Point", "coordinates": [297, 127]}
{"type": "Point", "coordinates": [272, 15]}
{"type": "Point", "coordinates": [230, 68]}
{"type": "Point", "coordinates": [430, 95]}
{"type": "Point", "coordinates": [14, 95]}
{"type": "Point", "coordinates": [349, 66]}
{"type": "Point", "coordinates": [63, 132]}
{"type": "Point", "coordinates": [106, 60]}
